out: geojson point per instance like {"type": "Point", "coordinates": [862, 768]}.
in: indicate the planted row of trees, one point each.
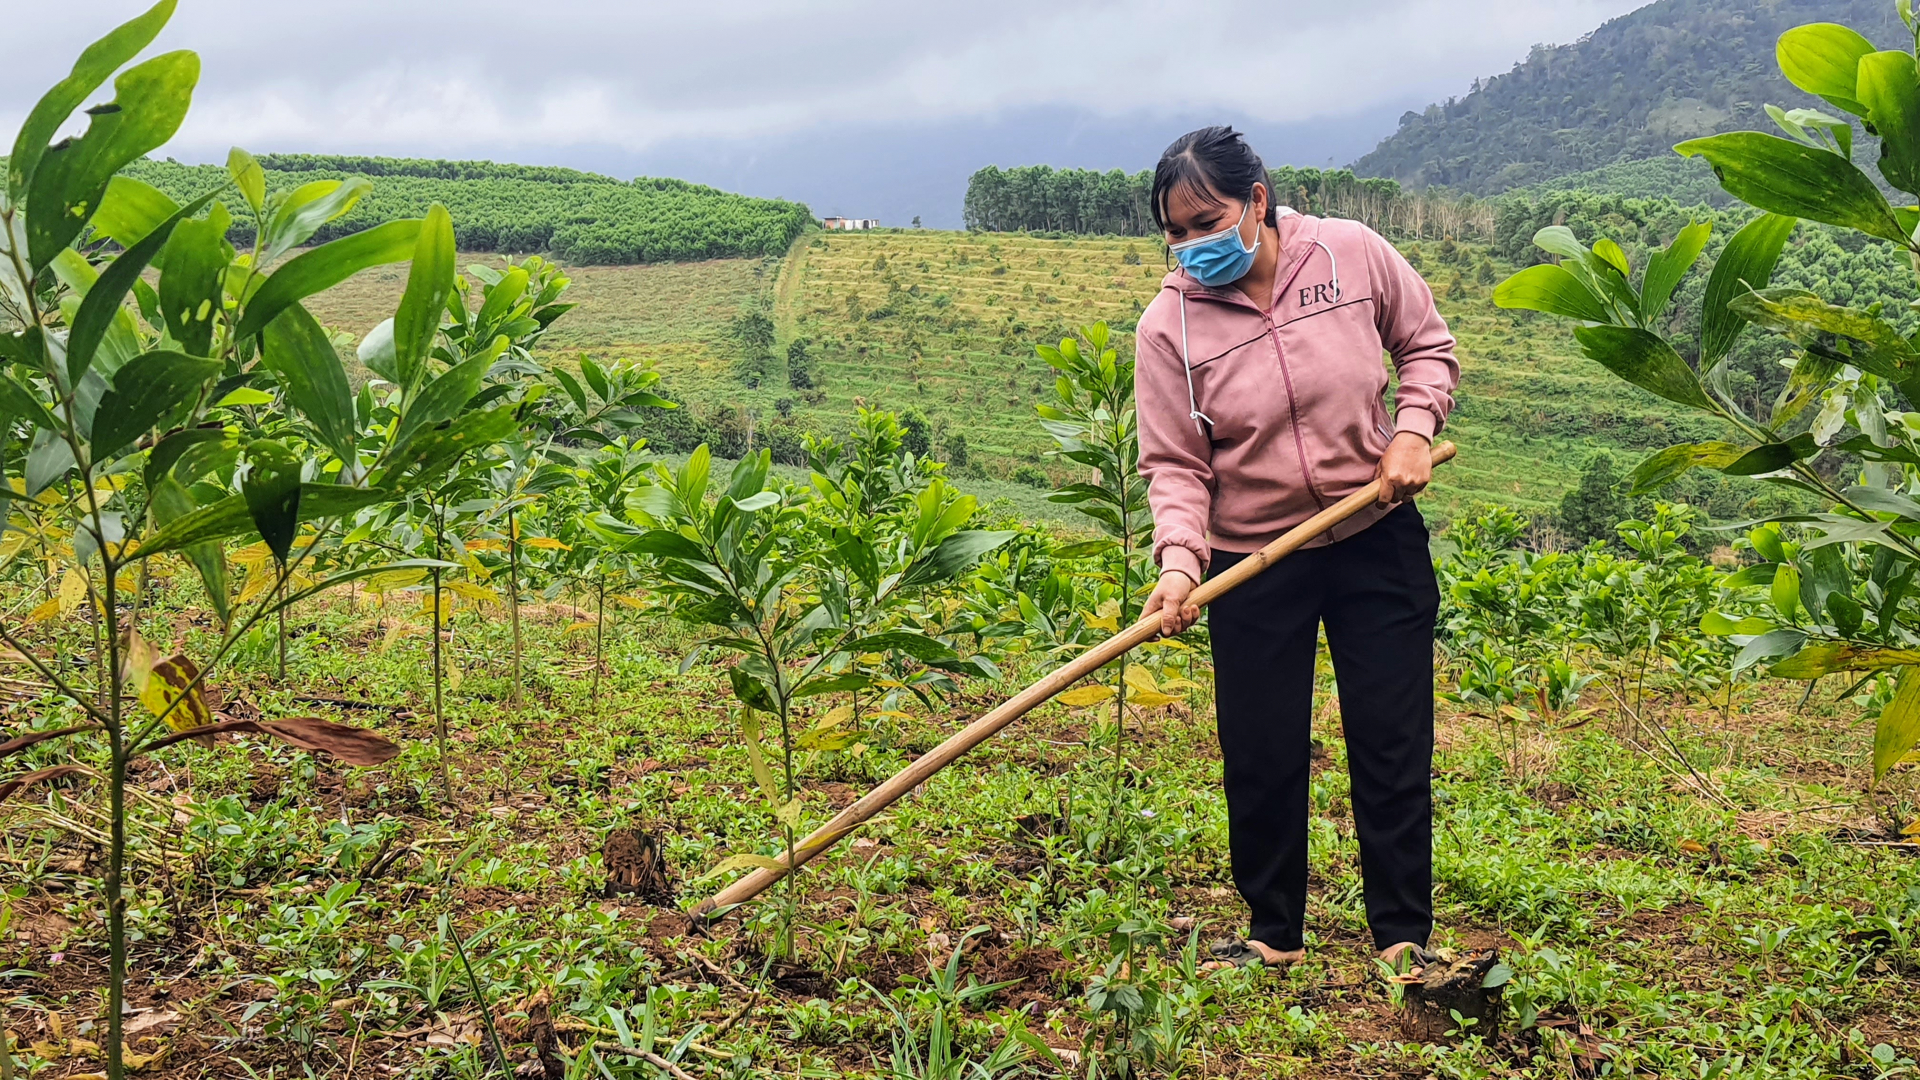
{"type": "Point", "coordinates": [579, 217]}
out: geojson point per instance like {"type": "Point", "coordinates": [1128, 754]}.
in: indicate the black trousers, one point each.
{"type": "Point", "coordinates": [1376, 593]}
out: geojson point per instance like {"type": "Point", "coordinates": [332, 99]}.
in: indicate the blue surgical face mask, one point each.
{"type": "Point", "coordinates": [1219, 258]}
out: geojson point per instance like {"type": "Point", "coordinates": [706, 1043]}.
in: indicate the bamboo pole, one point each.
{"type": "Point", "coordinates": [1034, 696]}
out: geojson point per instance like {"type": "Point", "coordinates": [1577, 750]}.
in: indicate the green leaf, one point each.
{"type": "Point", "coordinates": [378, 352]}
{"type": "Point", "coordinates": [1890, 89]}
{"type": "Point", "coordinates": [1823, 59]}
{"type": "Point", "coordinates": [103, 302]}
{"type": "Point", "coordinates": [1663, 467]}
{"type": "Point", "coordinates": [308, 207]}
{"type": "Point", "coordinates": [216, 521]}
{"type": "Point", "coordinates": [1786, 591]}
{"type": "Point", "coordinates": [1782, 176]}
{"type": "Point", "coordinates": [1872, 344]}
{"type": "Point", "coordinates": [952, 557]}
{"type": "Point", "coordinates": [149, 101]}
{"type": "Point", "coordinates": [166, 452]}
{"type": "Point", "coordinates": [1898, 728]}
{"type": "Point", "coordinates": [171, 503]}
{"type": "Point", "coordinates": [1773, 643]}
{"type": "Point", "coordinates": [432, 451]}
{"type": "Point", "coordinates": [751, 692]}
{"type": "Point", "coordinates": [1772, 457]}
{"type": "Point", "coordinates": [757, 502]}
{"type": "Point", "coordinates": [272, 493]}
{"type": "Point", "coordinates": [299, 353]}
{"type": "Point", "coordinates": [1714, 624]}
{"type": "Point", "coordinates": [1746, 263]}
{"type": "Point", "coordinates": [1846, 615]}
{"type": "Point", "coordinates": [919, 646]}
{"type": "Point", "coordinates": [324, 267]}
{"type": "Point", "coordinates": [742, 862]}
{"type": "Point", "coordinates": [130, 210]}
{"type": "Point", "coordinates": [1645, 360]}
{"type": "Point", "coordinates": [442, 399]}
{"type": "Point", "coordinates": [101, 59]}
{"type": "Point", "coordinates": [666, 543]}
{"type": "Point", "coordinates": [150, 387]}
{"type": "Point", "coordinates": [1667, 267]}
{"type": "Point", "coordinates": [248, 177]}
{"type": "Point", "coordinates": [193, 272]}
{"type": "Point", "coordinates": [429, 287]}
{"type": "Point", "coordinates": [1551, 289]}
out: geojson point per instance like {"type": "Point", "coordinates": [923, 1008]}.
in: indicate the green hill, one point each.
{"type": "Point", "coordinates": [1626, 92]}
{"type": "Point", "coordinates": [581, 217]}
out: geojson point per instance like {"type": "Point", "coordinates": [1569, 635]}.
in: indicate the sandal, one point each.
{"type": "Point", "coordinates": [1407, 966]}
{"type": "Point", "coordinates": [1238, 953]}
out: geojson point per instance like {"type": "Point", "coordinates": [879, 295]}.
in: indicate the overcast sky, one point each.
{"type": "Point", "coordinates": [855, 106]}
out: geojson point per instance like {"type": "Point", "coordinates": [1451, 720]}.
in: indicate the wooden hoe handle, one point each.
{"type": "Point", "coordinates": [1035, 695]}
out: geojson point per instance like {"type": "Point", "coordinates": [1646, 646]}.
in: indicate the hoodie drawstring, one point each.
{"type": "Point", "coordinates": [1186, 357]}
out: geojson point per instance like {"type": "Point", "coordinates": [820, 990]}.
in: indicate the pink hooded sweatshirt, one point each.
{"type": "Point", "coordinates": [1252, 421]}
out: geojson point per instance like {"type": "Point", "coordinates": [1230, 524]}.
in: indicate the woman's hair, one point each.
{"type": "Point", "coordinates": [1212, 163]}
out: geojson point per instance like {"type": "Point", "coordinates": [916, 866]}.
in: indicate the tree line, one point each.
{"type": "Point", "coordinates": [578, 217]}
{"type": "Point", "coordinates": [1039, 198]}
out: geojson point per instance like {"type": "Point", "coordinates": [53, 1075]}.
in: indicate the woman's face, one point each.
{"type": "Point", "coordinates": [1189, 215]}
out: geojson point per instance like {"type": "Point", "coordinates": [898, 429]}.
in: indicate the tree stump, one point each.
{"type": "Point", "coordinates": [1470, 986]}
{"type": "Point", "coordinates": [636, 867]}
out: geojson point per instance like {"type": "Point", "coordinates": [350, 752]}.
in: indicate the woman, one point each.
{"type": "Point", "coordinates": [1259, 394]}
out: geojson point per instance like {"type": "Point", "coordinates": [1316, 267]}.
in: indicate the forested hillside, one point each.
{"type": "Point", "coordinates": [1670, 71]}
{"type": "Point", "coordinates": [580, 217]}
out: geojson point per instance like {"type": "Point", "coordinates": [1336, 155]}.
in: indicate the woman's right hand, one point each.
{"type": "Point", "coordinates": [1169, 600]}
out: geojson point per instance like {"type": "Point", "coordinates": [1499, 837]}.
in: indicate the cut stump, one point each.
{"type": "Point", "coordinates": [636, 867]}
{"type": "Point", "coordinates": [1470, 985]}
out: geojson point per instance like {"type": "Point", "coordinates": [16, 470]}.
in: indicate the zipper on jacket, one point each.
{"type": "Point", "coordinates": [1293, 411]}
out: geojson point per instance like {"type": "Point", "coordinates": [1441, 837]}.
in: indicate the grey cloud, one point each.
{"type": "Point", "coordinates": [492, 77]}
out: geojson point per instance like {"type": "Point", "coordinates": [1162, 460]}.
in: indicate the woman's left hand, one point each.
{"type": "Point", "coordinates": [1405, 469]}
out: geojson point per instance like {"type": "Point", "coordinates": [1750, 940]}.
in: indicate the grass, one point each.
{"type": "Point", "coordinates": [946, 322]}
{"type": "Point", "coordinates": [287, 908]}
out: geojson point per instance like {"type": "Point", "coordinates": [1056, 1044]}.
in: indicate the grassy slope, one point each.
{"type": "Point", "coordinates": [1609, 886]}
{"type": "Point", "coordinates": [963, 312]}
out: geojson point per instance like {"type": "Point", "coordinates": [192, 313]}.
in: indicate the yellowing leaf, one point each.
{"type": "Point", "coordinates": [173, 680]}
{"type": "Point", "coordinates": [48, 610]}
{"type": "Point", "coordinates": [1141, 679]}
{"type": "Point", "coordinates": [545, 543]}
{"type": "Point", "coordinates": [789, 815]}
{"type": "Point", "coordinates": [740, 862]}
{"type": "Point", "coordinates": [1086, 695]}
{"type": "Point", "coordinates": [12, 546]}
{"type": "Point", "coordinates": [397, 631]}
{"type": "Point", "coordinates": [478, 593]}
{"type": "Point", "coordinates": [1104, 622]}
{"type": "Point", "coordinates": [1899, 726]}
{"type": "Point", "coordinates": [484, 544]}
{"type": "Point", "coordinates": [136, 663]}
{"type": "Point", "coordinates": [260, 582]}
{"type": "Point", "coordinates": [1692, 847]}
{"type": "Point", "coordinates": [392, 580]}
{"type": "Point", "coordinates": [1912, 829]}
{"type": "Point", "coordinates": [73, 591]}
{"type": "Point", "coordinates": [629, 601]}
{"type": "Point", "coordinates": [1149, 699]}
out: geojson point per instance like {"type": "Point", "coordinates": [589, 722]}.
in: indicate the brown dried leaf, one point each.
{"type": "Point", "coordinates": [355, 746]}
{"type": "Point", "coordinates": [13, 786]}
{"type": "Point", "coordinates": [33, 738]}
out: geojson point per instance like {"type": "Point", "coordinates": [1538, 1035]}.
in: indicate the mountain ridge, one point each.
{"type": "Point", "coordinates": [1673, 70]}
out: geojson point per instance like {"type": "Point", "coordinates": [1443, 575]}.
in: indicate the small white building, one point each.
{"type": "Point", "coordinates": [850, 223]}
